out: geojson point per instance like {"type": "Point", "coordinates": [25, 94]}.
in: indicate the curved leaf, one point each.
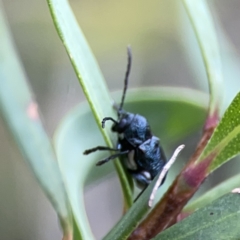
{"type": "Point", "coordinates": [89, 76]}
{"type": "Point", "coordinates": [204, 29]}
{"type": "Point", "coordinates": [219, 220]}
{"type": "Point", "coordinates": [20, 112]}
{"type": "Point", "coordinates": [166, 110]}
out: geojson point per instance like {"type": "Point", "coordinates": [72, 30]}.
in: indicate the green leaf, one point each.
{"type": "Point", "coordinates": [225, 141]}
{"type": "Point", "coordinates": [89, 76]}
{"type": "Point", "coordinates": [20, 113]}
{"type": "Point", "coordinates": [204, 29]}
{"type": "Point", "coordinates": [211, 195]}
{"type": "Point", "coordinates": [223, 146]}
{"type": "Point", "coordinates": [166, 110]}
{"type": "Point", "coordinates": [219, 220]}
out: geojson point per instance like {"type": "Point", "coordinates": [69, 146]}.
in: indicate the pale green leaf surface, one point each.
{"type": "Point", "coordinates": [219, 220]}
{"type": "Point", "coordinates": [216, 192]}
{"type": "Point", "coordinates": [77, 132]}
{"type": "Point", "coordinates": [89, 76]}
{"type": "Point", "coordinates": [165, 108]}
{"type": "Point", "coordinates": [19, 110]}
{"type": "Point", "coordinates": [229, 58]}
{"type": "Point", "coordinates": [225, 140]}
{"type": "Point", "coordinates": [204, 29]}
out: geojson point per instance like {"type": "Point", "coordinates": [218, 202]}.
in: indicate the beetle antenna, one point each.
{"type": "Point", "coordinates": [129, 52]}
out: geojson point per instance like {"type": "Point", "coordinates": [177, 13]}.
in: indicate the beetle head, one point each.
{"type": "Point", "coordinates": [125, 120]}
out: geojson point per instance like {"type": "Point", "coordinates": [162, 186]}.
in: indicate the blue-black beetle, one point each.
{"type": "Point", "coordinates": [145, 157]}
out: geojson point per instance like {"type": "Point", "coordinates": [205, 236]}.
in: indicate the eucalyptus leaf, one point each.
{"type": "Point", "coordinates": [222, 146]}
{"type": "Point", "coordinates": [219, 220]}
{"type": "Point", "coordinates": [20, 112]}
{"type": "Point", "coordinates": [204, 29]}
{"type": "Point", "coordinates": [225, 141]}
{"type": "Point", "coordinates": [89, 76]}
{"type": "Point", "coordinates": [165, 108]}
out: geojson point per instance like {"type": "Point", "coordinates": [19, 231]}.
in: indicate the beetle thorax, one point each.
{"type": "Point", "coordinates": [138, 131]}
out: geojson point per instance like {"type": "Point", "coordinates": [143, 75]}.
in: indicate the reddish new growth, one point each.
{"type": "Point", "coordinates": [194, 174]}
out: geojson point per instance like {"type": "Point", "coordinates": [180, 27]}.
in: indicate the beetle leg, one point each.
{"type": "Point", "coordinates": [107, 119]}
{"type": "Point", "coordinates": [111, 157]}
{"type": "Point", "coordinates": [140, 193]}
{"type": "Point", "coordinates": [99, 148]}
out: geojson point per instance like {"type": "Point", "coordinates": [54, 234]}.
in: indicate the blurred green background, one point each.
{"type": "Point", "coordinates": [164, 53]}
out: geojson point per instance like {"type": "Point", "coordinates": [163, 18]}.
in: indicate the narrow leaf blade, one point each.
{"type": "Point", "coordinates": [219, 220]}
{"type": "Point", "coordinates": [225, 141]}
{"type": "Point", "coordinates": [19, 110]}
{"type": "Point", "coordinates": [204, 29]}
{"type": "Point", "coordinates": [89, 76]}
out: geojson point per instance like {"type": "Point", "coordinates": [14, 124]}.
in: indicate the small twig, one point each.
{"type": "Point", "coordinates": [163, 174]}
{"type": "Point", "coordinates": [236, 190]}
